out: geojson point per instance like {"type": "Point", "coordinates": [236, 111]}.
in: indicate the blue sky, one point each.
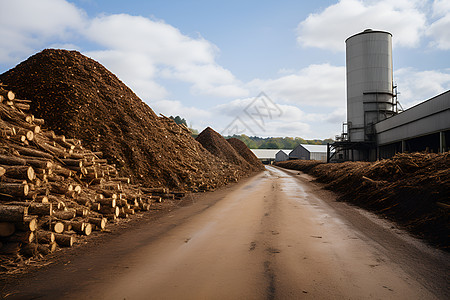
{"type": "Point", "coordinates": [207, 60]}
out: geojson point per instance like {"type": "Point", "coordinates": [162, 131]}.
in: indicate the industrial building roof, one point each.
{"type": "Point", "coordinates": [268, 153]}
{"type": "Point", "coordinates": [315, 148]}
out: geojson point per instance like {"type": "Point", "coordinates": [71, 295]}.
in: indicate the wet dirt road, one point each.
{"type": "Point", "coordinates": [276, 236]}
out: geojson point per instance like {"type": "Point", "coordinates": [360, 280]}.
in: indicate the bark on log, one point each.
{"type": "Point", "coordinates": [78, 226]}
{"type": "Point", "coordinates": [64, 240]}
{"type": "Point", "coordinates": [22, 106]}
{"type": "Point", "coordinates": [30, 250]}
{"type": "Point", "coordinates": [24, 237]}
{"type": "Point", "coordinates": [20, 172]}
{"type": "Point", "coordinates": [34, 208]}
{"type": "Point", "coordinates": [98, 222]}
{"type": "Point", "coordinates": [29, 135]}
{"type": "Point", "coordinates": [12, 180]}
{"type": "Point", "coordinates": [8, 95]}
{"type": "Point", "coordinates": [109, 210]}
{"type": "Point", "coordinates": [44, 249]}
{"type": "Point", "coordinates": [60, 187]}
{"type": "Point", "coordinates": [52, 225]}
{"type": "Point", "coordinates": [45, 237]}
{"type": "Point", "coordinates": [39, 163]}
{"type": "Point", "coordinates": [6, 229]}
{"type": "Point", "coordinates": [109, 202]}
{"type": "Point", "coordinates": [108, 193]}
{"type": "Point", "coordinates": [39, 122]}
{"type": "Point", "coordinates": [12, 160]}
{"type": "Point", "coordinates": [14, 189]}
{"type": "Point", "coordinates": [68, 214]}
{"type": "Point", "coordinates": [155, 190]}
{"type": "Point", "coordinates": [72, 162]}
{"type": "Point", "coordinates": [10, 213]}
{"type": "Point", "coordinates": [32, 152]}
{"type": "Point", "coordinates": [29, 223]}
{"type": "Point", "coordinates": [63, 172]}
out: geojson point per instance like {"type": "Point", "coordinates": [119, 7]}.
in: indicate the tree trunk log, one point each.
{"type": "Point", "coordinates": [98, 222]}
{"type": "Point", "coordinates": [24, 237]}
{"type": "Point", "coordinates": [8, 95]}
{"type": "Point", "coordinates": [64, 240]}
{"type": "Point", "coordinates": [12, 160]}
{"type": "Point", "coordinates": [32, 152]}
{"type": "Point", "coordinates": [107, 202]}
{"type": "Point", "coordinates": [9, 213]}
{"type": "Point", "coordinates": [29, 223]}
{"type": "Point", "coordinates": [45, 237]}
{"type": "Point", "coordinates": [109, 210]}
{"type": "Point", "coordinates": [20, 172]}
{"type": "Point", "coordinates": [40, 209]}
{"type": "Point", "coordinates": [68, 214]}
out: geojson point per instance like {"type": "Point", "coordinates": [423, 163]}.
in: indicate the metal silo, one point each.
{"type": "Point", "coordinates": [370, 95]}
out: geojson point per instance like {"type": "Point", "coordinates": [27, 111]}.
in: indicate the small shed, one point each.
{"type": "Point", "coordinates": [282, 155]}
{"type": "Point", "coordinates": [309, 152]}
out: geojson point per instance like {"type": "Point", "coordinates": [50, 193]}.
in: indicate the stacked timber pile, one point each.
{"type": "Point", "coordinates": [53, 190]}
{"type": "Point", "coordinates": [410, 188]}
{"type": "Point", "coordinates": [79, 98]}
{"type": "Point", "coordinates": [246, 153]}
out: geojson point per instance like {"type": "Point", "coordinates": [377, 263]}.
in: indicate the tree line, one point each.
{"type": "Point", "coordinates": [254, 142]}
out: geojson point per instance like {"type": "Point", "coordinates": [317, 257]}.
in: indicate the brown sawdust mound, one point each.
{"type": "Point", "coordinates": [218, 146]}
{"type": "Point", "coordinates": [79, 98]}
{"type": "Point", "coordinates": [245, 152]}
{"type": "Point", "coordinates": [411, 188]}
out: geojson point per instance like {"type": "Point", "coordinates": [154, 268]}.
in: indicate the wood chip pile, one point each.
{"type": "Point", "coordinates": [411, 188]}
{"type": "Point", "coordinates": [53, 190]}
{"type": "Point", "coordinates": [79, 98]}
{"type": "Point", "coordinates": [246, 153]}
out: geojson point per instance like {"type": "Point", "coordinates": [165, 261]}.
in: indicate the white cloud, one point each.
{"type": "Point", "coordinates": [26, 25]}
{"type": "Point", "coordinates": [439, 29]}
{"type": "Point", "coordinates": [176, 108]}
{"type": "Point", "coordinates": [417, 86]}
{"type": "Point", "coordinates": [441, 7]}
{"type": "Point", "coordinates": [140, 48]}
{"type": "Point", "coordinates": [315, 85]}
{"type": "Point", "coordinates": [329, 28]}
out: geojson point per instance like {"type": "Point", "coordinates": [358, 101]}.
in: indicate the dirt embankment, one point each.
{"type": "Point", "coordinates": [79, 98]}
{"type": "Point", "coordinates": [411, 189]}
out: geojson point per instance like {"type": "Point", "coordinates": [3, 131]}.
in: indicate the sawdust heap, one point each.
{"type": "Point", "coordinates": [217, 145]}
{"type": "Point", "coordinates": [248, 155]}
{"type": "Point", "coordinates": [79, 98]}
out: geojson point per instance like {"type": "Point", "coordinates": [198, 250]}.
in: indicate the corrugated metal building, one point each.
{"type": "Point", "coordinates": [282, 155]}
{"type": "Point", "coordinates": [424, 127]}
{"type": "Point", "coordinates": [267, 156]}
{"type": "Point", "coordinates": [309, 152]}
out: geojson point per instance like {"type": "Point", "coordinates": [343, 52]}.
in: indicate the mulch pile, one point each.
{"type": "Point", "coordinates": [246, 153]}
{"type": "Point", "coordinates": [79, 98]}
{"type": "Point", "coordinates": [411, 188]}
{"type": "Point", "coordinates": [218, 146]}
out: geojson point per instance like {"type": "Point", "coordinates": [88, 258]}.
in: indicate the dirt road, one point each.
{"type": "Point", "coordinates": [275, 236]}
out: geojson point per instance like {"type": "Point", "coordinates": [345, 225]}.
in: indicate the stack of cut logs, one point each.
{"type": "Point", "coordinates": [53, 190]}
